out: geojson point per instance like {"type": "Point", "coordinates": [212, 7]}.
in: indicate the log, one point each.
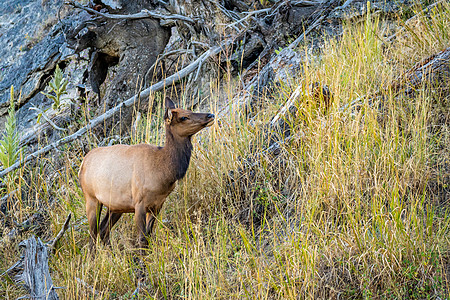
{"type": "Point", "coordinates": [143, 14]}
{"type": "Point", "coordinates": [430, 70]}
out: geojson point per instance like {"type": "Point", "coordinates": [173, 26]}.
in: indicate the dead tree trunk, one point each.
{"type": "Point", "coordinates": [32, 268]}
{"type": "Point", "coordinates": [36, 276]}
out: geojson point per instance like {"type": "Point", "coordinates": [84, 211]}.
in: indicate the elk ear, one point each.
{"type": "Point", "coordinates": [169, 104]}
{"type": "Point", "coordinates": [169, 115]}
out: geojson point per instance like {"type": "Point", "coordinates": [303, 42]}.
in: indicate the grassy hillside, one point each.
{"type": "Point", "coordinates": [354, 206]}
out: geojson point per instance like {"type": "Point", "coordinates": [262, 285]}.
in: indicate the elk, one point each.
{"type": "Point", "coordinates": [138, 178]}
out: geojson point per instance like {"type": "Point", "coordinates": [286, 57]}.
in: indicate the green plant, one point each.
{"type": "Point", "coordinates": [9, 144]}
{"type": "Point", "coordinates": [277, 51]}
{"type": "Point", "coordinates": [58, 86]}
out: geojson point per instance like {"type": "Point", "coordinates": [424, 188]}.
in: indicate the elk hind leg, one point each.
{"type": "Point", "coordinates": [108, 222]}
{"type": "Point", "coordinates": [140, 219]}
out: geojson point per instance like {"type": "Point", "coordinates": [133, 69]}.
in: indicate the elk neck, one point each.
{"type": "Point", "coordinates": [177, 151]}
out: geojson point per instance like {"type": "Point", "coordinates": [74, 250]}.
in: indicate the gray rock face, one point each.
{"type": "Point", "coordinates": [27, 52]}
{"type": "Point", "coordinates": [22, 25]}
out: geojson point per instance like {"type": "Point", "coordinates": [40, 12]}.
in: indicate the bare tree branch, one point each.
{"type": "Point", "coordinates": [51, 245]}
{"type": "Point", "coordinates": [428, 70]}
{"type": "Point", "coordinates": [47, 118]}
{"type": "Point", "coordinates": [145, 13]}
{"type": "Point", "coordinates": [249, 14]}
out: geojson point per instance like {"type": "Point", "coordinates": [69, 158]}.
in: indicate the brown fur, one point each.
{"type": "Point", "coordinates": [138, 178]}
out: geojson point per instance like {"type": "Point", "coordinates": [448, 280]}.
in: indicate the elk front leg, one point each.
{"type": "Point", "coordinates": [150, 221]}
{"type": "Point", "coordinates": [140, 219]}
{"type": "Point", "coordinates": [151, 217]}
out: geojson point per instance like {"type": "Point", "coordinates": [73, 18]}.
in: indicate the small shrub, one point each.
{"type": "Point", "coordinates": [9, 144]}
{"type": "Point", "coordinates": [58, 86]}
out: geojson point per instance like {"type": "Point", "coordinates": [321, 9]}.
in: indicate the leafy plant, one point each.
{"type": "Point", "coordinates": [9, 144]}
{"type": "Point", "coordinates": [277, 51]}
{"type": "Point", "coordinates": [58, 86]}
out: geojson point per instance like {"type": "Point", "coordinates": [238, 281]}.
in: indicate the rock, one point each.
{"type": "Point", "coordinates": [248, 52]}
{"type": "Point", "coordinates": [26, 51]}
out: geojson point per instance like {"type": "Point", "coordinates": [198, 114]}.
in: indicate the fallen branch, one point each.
{"type": "Point", "coordinates": [47, 118]}
{"type": "Point", "coordinates": [282, 112]}
{"type": "Point", "coordinates": [33, 222]}
{"type": "Point", "coordinates": [127, 103]}
{"type": "Point", "coordinates": [249, 14]}
{"type": "Point", "coordinates": [305, 33]}
{"type": "Point", "coordinates": [145, 13]}
{"type": "Point", "coordinates": [51, 245]}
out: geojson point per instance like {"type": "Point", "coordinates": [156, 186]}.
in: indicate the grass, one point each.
{"type": "Point", "coordinates": [355, 206]}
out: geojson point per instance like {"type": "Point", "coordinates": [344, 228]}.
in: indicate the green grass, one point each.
{"type": "Point", "coordinates": [353, 207]}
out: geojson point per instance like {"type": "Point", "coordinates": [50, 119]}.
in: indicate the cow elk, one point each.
{"type": "Point", "coordinates": [138, 178]}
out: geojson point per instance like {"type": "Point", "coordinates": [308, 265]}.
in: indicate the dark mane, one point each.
{"type": "Point", "coordinates": [180, 155]}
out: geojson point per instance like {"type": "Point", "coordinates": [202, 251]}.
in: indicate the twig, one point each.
{"type": "Point", "coordinates": [200, 44]}
{"type": "Point", "coordinates": [11, 268]}
{"type": "Point", "coordinates": [129, 102]}
{"type": "Point", "coordinates": [47, 118]}
{"type": "Point", "coordinates": [82, 282]}
{"type": "Point", "coordinates": [51, 246]}
{"type": "Point", "coordinates": [136, 291]}
{"type": "Point", "coordinates": [306, 3]}
{"type": "Point", "coordinates": [145, 13]}
{"type": "Point", "coordinates": [249, 14]}
{"type": "Point", "coordinates": [230, 14]}
{"type": "Point", "coordinates": [164, 55]}
{"type": "Point", "coordinates": [287, 105]}
{"type": "Point", "coordinates": [305, 33]}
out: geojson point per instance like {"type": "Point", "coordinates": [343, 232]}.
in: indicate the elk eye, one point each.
{"type": "Point", "coordinates": [183, 119]}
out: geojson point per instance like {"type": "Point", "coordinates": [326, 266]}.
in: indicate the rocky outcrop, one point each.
{"type": "Point", "coordinates": [27, 51]}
